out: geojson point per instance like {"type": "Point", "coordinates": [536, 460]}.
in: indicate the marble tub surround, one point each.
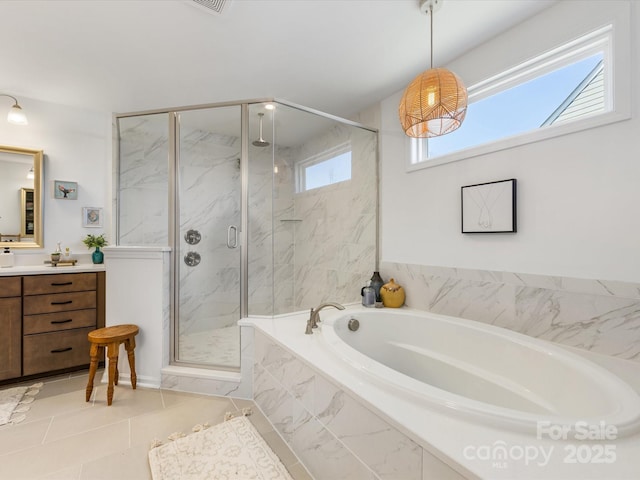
{"type": "Point", "coordinates": [343, 423]}
{"type": "Point", "coordinates": [332, 431]}
{"type": "Point", "coordinates": [596, 315]}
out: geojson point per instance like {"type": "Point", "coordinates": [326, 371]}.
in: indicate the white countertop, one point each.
{"type": "Point", "coordinates": [48, 269]}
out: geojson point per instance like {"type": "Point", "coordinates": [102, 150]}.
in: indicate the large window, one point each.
{"type": "Point", "coordinates": [569, 84]}
{"type": "Point", "coordinates": [329, 167]}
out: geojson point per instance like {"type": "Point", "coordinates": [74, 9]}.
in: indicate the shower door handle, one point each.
{"type": "Point", "coordinates": [232, 236]}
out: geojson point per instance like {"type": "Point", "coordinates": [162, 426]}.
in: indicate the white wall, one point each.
{"type": "Point", "coordinates": [77, 147]}
{"type": "Point", "coordinates": [578, 195]}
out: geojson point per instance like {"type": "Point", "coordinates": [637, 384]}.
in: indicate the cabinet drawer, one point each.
{"type": "Point", "coordinates": [61, 282]}
{"type": "Point", "coordinates": [59, 302]}
{"type": "Point", "coordinates": [54, 351]}
{"type": "Point", "coordinates": [53, 322]}
{"type": "Point", "coordinates": [10, 286]}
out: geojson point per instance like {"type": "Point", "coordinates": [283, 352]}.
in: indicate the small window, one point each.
{"type": "Point", "coordinates": [566, 85]}
{"type": "Point", "coordinates": [329, 167]}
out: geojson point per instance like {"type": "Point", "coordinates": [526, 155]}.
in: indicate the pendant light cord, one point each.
{"type": "Point", "coordinates": [431, 31]}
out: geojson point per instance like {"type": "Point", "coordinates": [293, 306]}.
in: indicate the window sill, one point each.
{"type": "Point", "coordinates": [518, 140]}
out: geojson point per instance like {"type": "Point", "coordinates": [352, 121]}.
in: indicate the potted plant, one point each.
{"type": "Point", "coordinates": [97, 242]}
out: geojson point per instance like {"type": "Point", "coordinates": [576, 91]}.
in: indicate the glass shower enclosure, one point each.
{"type": "Point", "coordinates": [268, 208]}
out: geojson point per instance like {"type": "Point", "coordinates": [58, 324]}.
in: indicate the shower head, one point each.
{"type": "Point", "coordinates": [261, 142]}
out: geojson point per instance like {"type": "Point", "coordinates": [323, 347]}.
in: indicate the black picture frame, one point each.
{"type": "Point", "coordinates": [489, 207]}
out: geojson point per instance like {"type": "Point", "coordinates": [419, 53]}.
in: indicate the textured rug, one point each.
{"type": "Point", "coordinates": [14, 402]}
{"type": "Point", "coordinates": [230, 450]}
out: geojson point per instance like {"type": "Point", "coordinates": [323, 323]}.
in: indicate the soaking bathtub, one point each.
{"type": "Point", "coordinates": [480, 371]}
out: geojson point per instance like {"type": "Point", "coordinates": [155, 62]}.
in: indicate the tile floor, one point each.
{"type": "Point", "coordinates": [64, 437]}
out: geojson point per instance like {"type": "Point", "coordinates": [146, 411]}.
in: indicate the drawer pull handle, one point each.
{"type": "Point", "coordinates": [66, 302]}
{"type": "Point", "coordinates": [62, 350]}
{"type": "Point", "coordinates": [62, 284]}
{"type": "Point", "coordinates": [55, 322]}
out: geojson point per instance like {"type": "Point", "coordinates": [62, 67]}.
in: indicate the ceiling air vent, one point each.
{"type": "Point", "coordinates": [211, 6]}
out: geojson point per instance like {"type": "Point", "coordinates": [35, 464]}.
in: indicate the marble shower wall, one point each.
{"type": "Point", "coordinates": [324, 240]}
{"type": "Point", "coordinates": [304, 248]}
{"type": "Point", "coordinates": [597, 315]}
{"type": "Point", "coordinates": [210, 194]}
{"type": "Point", "coordinates": [284, 229]}
{"type": "Point", "coordinates": [334, 434]}
{"type": "Point", "coordinates": [144, 181]}
{"type": "Point", "coordinates": [265, 243]}
{"type": "Point", "coordinates": [334, 227]}
{"type": "Point", "coordinates": [210, 202]}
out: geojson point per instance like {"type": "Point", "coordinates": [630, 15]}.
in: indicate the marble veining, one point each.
{"type": "Point", "coordinates": [330, 249]}
{"type": "Point", "coordinates": [216, 346]}
{"type": "Point", "coordinates": [597, 315]}
{"type": "Point", "coordinates": [305, 247]}
{"type": "Point", "coordinates": [143, 180]}
{"type": "Point", "coordinates": [333, 433]}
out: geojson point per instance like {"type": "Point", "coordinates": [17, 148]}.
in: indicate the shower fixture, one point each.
{"type": "Point", "coordinates": [261, 142]}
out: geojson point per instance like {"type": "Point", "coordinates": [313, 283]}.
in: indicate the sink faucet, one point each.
{"type": "Point", "coordinates": [314, 315]}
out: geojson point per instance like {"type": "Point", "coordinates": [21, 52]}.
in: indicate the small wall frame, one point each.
{"type": "Point", "coordinates": [91, 217]}
{"type": "Point", "coordinates": [65, 190]}
{"type": "Point", "coordinates": [489, 207]}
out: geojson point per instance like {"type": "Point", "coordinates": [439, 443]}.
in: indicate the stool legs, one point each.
{"type": "Point", "coordinates": [110, 338]}
{"type": "Point", "coordinates": [95, 356]}
{"type": "Point", "coordinates": [112, 353]}
{"type": "Point", "coordinates": [116, 377]}
{"type": "Point", "coordinates": [130, 345]}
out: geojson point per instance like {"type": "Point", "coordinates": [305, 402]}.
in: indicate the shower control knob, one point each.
{"type": "Point", "coordinates": [192, 259]}
{"type": "Point", "coordinates": [192, 237]}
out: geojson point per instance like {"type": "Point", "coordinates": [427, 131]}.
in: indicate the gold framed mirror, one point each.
{"type": "Point", "coordinates": [21, 188]}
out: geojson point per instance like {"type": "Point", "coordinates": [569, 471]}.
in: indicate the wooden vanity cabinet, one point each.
{"type": "Point", "coordinates": [45, 320]}
{"type": "Point", "coordinates": [11, 327]}
{"type": "Point", "coordinates": [59, 310]}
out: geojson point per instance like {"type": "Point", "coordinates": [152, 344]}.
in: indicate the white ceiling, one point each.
{"type": "Point", "coordinates": [338, 56]}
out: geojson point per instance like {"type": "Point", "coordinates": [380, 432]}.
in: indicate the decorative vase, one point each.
{"type": "Point", "coordinates": [97, 256]}
{"type": "Point", "coordinates": [392, 294]}
{"type": "Point", "coordinates": [376, 283]}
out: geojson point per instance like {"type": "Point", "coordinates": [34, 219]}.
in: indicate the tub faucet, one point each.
{"type": "Point", "coordinates": [314, 315]}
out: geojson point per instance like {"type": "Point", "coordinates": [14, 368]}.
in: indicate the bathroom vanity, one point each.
{"type": "Point", "coordinates": [45, 316]}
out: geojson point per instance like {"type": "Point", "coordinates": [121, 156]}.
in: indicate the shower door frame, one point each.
{"type": "Point", "coordinates": [174, 201]}
{"type": "Point", "coordinates": [174, 206]}
{"type": "Point", "coordinates": [174, 230]}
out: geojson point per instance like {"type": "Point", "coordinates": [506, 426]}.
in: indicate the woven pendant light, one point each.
{"type": "Point", "coordinates": [435, 102]}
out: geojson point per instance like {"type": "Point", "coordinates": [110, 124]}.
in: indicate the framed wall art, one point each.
{"type": "Point", "coordinates": [91, 217]}
{"type": "Point", "coordinates": [65, 190]}
{"type": "Point", "coordinates": [489, 207]}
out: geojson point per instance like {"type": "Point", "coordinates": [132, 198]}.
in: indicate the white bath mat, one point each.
{"type": "Point", "coordinates": [14, 402]}
{"type": "Point", "coordinates": [230, 450]}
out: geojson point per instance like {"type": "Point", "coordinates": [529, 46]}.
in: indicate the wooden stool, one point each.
{"type": "Point", "coordinates": [112, 337]}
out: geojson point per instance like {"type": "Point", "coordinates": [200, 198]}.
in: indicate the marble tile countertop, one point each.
{"type": "Point", "coordinates": [48, 269]}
